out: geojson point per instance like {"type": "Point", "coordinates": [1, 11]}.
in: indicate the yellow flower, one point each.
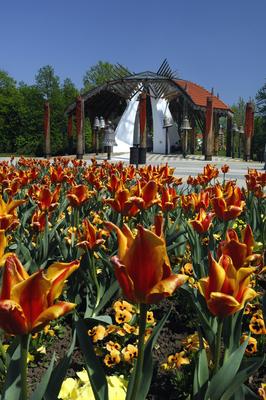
{"type": "Point", "coordinates": [257, 326]}
{"type": "Point", "coordinates": [41, 350]}
{"type": "Point", "coordinates": [262, 391]}
{"type": "Point", "coordinates": [252, 344]}
{"type": "Point", "coordinates": [67, 388]}
{"type": "Point", "coordinates": [122, 306]}
{"type": "Point", "coordinates": [30, 358]}
{"type": "Point", "coordinates": [150, 318]}
{"type": "Point", "coordinates": [112, 346]}
{"type": "Point", "coordinates": [130, 352]}
{"type": "Point", "coordinates": [123, 316]}
{"type": "Point", "coordinates": [177, 359]}
{"type": "Point", "coordinates": [97, 333]}
{"type": "Point", "coordinates": [112, 358]}
{"type": "Point", "coordinates": [131, 329]}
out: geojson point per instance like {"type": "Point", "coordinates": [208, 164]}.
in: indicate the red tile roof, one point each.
{"type": "Point", "coordinates": [199, 95]}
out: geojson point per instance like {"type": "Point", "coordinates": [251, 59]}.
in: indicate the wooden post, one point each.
{"type": "Point", "coordinates": [70, 133]}
{"type": "Point", "coordinates": [216, 135]}
{"type": "Point", "coordinates": [229, 136]}
{"type": "Point", "coordinates": [47, 133]}
{"type": "Point", "coordinates": [209, 130]}
{"type": "Point", "coordinates": [193, 135]}
{"type": "Point", "coordinates": [80, 126]}
{"type": "Point", "coordinates": [249, 129]}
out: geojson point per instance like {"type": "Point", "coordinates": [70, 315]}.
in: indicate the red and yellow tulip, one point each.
{"type": "Point", "coordinates": [28, 303]}
{"type": "Point", "coordinates": [226, 289]}
{"type": "Point", "coordinates": [202, 222]}
{"type": "Point", "coordinates": [142, 267]}
{"type": "Point", "coordinates": [241, 252]}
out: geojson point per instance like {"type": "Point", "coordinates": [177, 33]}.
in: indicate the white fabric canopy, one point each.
{"type": "Point", "coordinates": [125, 129]}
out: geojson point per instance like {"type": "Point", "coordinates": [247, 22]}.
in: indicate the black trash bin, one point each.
{"type": "Point", "coordinates": [134, 155]}
{"type": "Point", "coordinates": [142, 155]}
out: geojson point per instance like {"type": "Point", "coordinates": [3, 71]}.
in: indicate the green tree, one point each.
{"type": "Point", "coordinates": [261, 101]}
{"type": "Point", "coordinates": [47, 82]}
{"type": "Point", "coordinates": [239, 110]}
{"type": "Point", "coordinates": [101, 73]}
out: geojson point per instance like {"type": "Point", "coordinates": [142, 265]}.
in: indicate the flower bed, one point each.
{"type": "Point", "coordinates": [161, 282]}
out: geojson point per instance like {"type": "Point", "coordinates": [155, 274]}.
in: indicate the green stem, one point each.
{"type": "Point", "coordinates": [95, 278]}
{"type": "Point", "coordinates": [218, 343]}
{"type": "Point", "coordinates": [139, 365]}
{"type": "Point", "coordinates": [24, 343]}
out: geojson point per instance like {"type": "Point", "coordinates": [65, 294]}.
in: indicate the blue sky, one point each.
{"type": "Point", "coordinates": [219, 44]}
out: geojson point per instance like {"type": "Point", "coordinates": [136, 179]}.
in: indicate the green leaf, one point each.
{"type": "Point", "coordinates": [59, 372]}
{"type": "Point", "coordinates": [95, 370]}
{"type": "Point", "coordinates": [42, 386]}
{"type": "Point", "coordinates": [107, 296]}
{"type": "Point", "coordinates": [147, 363]}
{"type": "Point", "coordinates": [12, 388]}
{"type": "Point", "coordinates": [242, 376]}
{"type": "Point", "coordinates": [201, 375]}
{"type": "Point", "coordinates": [226, 374]}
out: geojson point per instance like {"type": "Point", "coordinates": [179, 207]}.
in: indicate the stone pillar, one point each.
{"type": "Point", "coordinates": [80, 126]}
{"type": "Point", "coordinates": [229, 136]}
{"type": "Point", "coordinates": [249, 130]}
{"type": "Point", "coordinates": [47, 132]}
{"type": "Point", "coordinates": [70, 133]}
{"type": "Point", "coordinates": [209, 130]}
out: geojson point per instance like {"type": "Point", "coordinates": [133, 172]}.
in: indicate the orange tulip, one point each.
{"type": "Point", "coordinates": [123, 203]}
{"type": "Point", "coordinates": [169, 199]}
{"type": "Point", "coordinates": [78, 195]}
{"type": "Point", "coordinates": [240, 252]}
{"type": "Point", "coordinates": [27, 303]}
{"type": "Point", "coordinates": [8, 216]}
{"type": "Point", "coordinates": [142, 267]}
{"type": "Point", "coordinates": [225, 168]}
{"type": "Point", "coordinates": [228, 205]}
{"type": "Point", "coordinates": [90, 237]}
{"type": "Point", "coordinates": [202, 221]}
{"type": "Point", "coordinates": [226, 289]}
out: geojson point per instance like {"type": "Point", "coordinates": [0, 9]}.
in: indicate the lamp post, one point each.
{"type": "Point", "coordinates": [241, 135]}
{"type": "Point", "coordinates": [109, 139]}
{"type": "Point", "coordinates": [98, 125]}
{"type": "Point", "coordinates": [167, 123]}
{"type": "Point", "coordinates": [234, 131]}
{"type": "Point", "coordinates": [185, 128]}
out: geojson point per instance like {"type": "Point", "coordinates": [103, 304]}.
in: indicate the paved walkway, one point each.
{"type": "Point", "coordinates": [191, 165]}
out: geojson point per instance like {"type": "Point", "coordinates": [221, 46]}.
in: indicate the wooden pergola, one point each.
{"type": "Point", "coordinates": [185, 98]}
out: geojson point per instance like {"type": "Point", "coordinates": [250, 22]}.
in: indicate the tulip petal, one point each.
{"type": "Point", "coordinates": [57, 273]}
{"type": "Point", "coordinates": [216, 274]}
{"type": "Point", "coordinates": [149, 192]}
{"type": "Point", "coordinates": [237, 251]}
{"type": "Point", "coordinates": [221, 304]}
{"type": "Point", "coordinates": [3, 242]}
{"type": "Point", "coordinates": [124, 280]}
{"type": "Point", "coordinates": [147, 261]}
{"type": "Point", "coordinates": [248, 239]}
{"type": "Point", "coordinates": [203, 286]}
{"type": "Point", "coordinates": [31, 294]}
{"type": "Point", "coordinates": [12, 318]}
{"type": "Point", "coordinates": [124, 236]}
{"type": "Point", "coordinates": [12, 275]}
{"type": "Point", "coordinates": [165, 288]}
{"type": "Point", "coordinates": [51, 313]}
